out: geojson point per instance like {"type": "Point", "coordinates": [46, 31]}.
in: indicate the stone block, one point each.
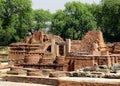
{"type": "Point", "coordinates": [57, 74]}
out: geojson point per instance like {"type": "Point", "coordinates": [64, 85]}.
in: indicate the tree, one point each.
{"type": "Point", "coordinates": [58, 23]}
{"type": "Point", "coordinates": [42, 19]}
{"type": "Point", "coordinates": [15, 20]}
{"type": "Point", "coordinates": [111, 19]}
{"type": "Point", "coordinates": [73, 22]}
{"type": "Point", "coordinates": [96, 11]}
{"type": "Point", "coordinates": [107, 15]}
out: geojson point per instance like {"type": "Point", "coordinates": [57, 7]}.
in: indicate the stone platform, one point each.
{"type": "Point", "coordinates": [63, 81]}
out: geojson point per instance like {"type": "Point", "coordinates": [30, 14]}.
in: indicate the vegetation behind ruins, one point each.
{"type": "Point", "coordinates": [18, 19]}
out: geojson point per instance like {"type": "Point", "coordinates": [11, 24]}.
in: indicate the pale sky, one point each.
{"type": "Point", "coordinates": [53, 5]}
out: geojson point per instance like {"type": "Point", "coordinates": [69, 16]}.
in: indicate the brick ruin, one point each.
{"type": "Point", "coordinates": [46, 51]}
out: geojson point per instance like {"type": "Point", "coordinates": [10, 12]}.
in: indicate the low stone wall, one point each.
{"type": "Point", "coordinates": [59, 81]}
{"type": "Point", "coordinates": [31, 79]}
{"type": "Point", "coordinates": [3, 55]}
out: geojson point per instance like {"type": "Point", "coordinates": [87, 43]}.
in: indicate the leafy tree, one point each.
{"type": "Point", "coordinates": [107, 15]}
{"type": "Point", "coordinates": [58, 23]}
{"type": "Point", "coordinates": [96, 10]}
{"type": "Point", "coordinates": [42, 19]}
{"type": "Point", "coordinates": [73, 22]}
{"type": "Point", "coordinates": [111, 19]}
{"type": "Point", "coordinates": [15, 20]}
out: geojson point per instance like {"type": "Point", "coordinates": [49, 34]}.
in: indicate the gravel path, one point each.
{"type": "Point", "coordinates": [4, 83]}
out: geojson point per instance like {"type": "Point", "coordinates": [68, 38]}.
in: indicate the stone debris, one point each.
{"type": "Point", "coordinates": [112, 76]}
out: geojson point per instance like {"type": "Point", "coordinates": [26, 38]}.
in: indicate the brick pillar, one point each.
{"type": "Point", "coordinates": [119, 59]}
{"type": "Point", "coordinates": [116, 59]}
{"type": "Point", "coordinates": [64, 50]}
{"type": "Point", "coordinates": [41, 38]}
{"type": "Point", "coordinates": [68, 46]}
{"type": "Point", "coordinates": [57, 50]}
{"type": "Point", "coordinates": [93, 60]}
{"type": "Point", "coordinates": [113, 60]}
{"type": "Point", "coordinates": [53, 46]}
{"type": "Point", "coordinates": [109, 61]}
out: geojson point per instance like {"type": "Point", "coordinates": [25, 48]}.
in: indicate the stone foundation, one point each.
{"type": "Point", "coordinates": [64, 81]}
{"type": "Point", "coordinates": [34, 72]}
{"type": "Point", "coordinates": [57, 74]}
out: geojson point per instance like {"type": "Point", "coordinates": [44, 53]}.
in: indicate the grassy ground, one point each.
{"type": "Point", "coordinates": [4, 59]}
{"type": "Point", "coordinates": [4, 49]}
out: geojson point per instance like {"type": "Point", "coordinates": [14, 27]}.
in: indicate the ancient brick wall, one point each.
{"type": "Point", "coordinates": [114, 48]}
{"type": "Point", "coordinates": [78, 62]}
{"type": "Point", "coordinates": [33, 47]}
{"type": "Point", "coordinates": [82, 61]}
{"type": "Point", "coordinates": [3, 55]}
{"type": "Point", "coordinates": [46, 81]}
{"type": "Point", "coordinates": [70, 61]}
{"type": "Point", "coordinates": [89, 39]}
{"type": "Point", "coordinates": [75, 45]}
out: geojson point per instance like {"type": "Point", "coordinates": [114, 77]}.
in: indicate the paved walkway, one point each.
{"type": "Point", "coordinates": [86, 79]}
{"type": "Point", "coordinates": [4, 83]}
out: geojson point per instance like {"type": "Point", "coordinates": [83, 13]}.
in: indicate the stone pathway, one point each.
{"type": "Point", "coordinates": [4, 83]}
{"type": "Point", "coordinates": [85, 79]}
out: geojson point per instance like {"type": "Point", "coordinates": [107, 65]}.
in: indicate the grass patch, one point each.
{"type": "Point", "coordinates": [4, 59]}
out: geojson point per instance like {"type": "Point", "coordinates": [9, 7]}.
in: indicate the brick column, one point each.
{"type": "Point", "coordinates": [64, 50]}
{"type": "Point", "coordinates": [93, 60]}
{"type": "Point", "coordinates": [113, 60]}
{"type": "Point", "coordinates": [68, 46]}
{"type": "Point", "coordinates": [41, 39]}
{"type": "Point", "coordinates": [57, 50]}
{"type": "Point", "coordinates": [109, 61]}
{"type": "Point", "coordinates": [53, 46]}
{"type": "Point", "coordinates": [116, 59]}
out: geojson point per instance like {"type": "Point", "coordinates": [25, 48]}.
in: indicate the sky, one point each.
{"type": "Point", "coordinates": [54, 5]}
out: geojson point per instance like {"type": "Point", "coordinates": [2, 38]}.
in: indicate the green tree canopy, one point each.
{"type": "Point", "coordinates": [15, 20]}
{"type": "Point", "coordinates": [73, 22]}
{"type": "Point", "coordinates": [111, 19]}
{"type": "Point", "coordinates": [42, 19]}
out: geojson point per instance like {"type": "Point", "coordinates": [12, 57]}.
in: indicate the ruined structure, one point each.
{"type": "Point", "coordinates": [39, 51]}
{"type": "Point", "coordinates": [45, 51]}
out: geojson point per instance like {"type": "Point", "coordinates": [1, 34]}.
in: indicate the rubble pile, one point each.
{"type": "Point", "coordinates": [94, 71]}
{"type": "Point", "coordinates": [112, 76]}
